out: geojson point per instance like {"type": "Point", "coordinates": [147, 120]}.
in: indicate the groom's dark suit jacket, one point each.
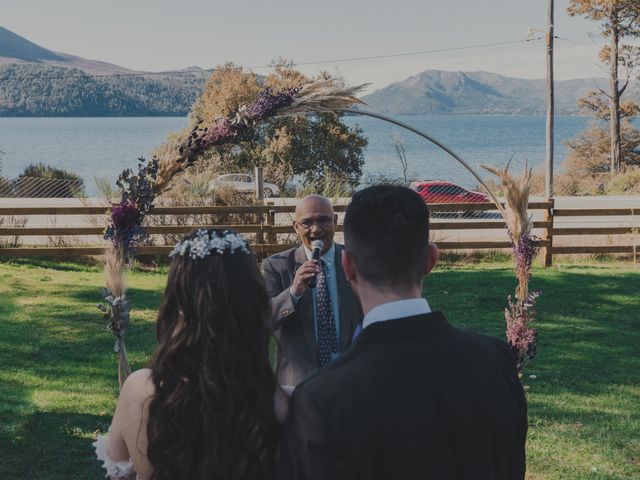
{"type": "Point", "coordinates": [293, 325]}
{"type": "Point", "coordinates": [414, 398]}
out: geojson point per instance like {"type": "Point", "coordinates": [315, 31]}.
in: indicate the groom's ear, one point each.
{"type": "Point", "coordinates": [433, 254]}
{"type": "Point", "coordinates": [348, 265]}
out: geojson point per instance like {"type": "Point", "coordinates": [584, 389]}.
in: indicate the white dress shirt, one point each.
{"type": "Point", "coordinates": [329, 259]}
{"type": "Point", "coordinates": [395, 310]}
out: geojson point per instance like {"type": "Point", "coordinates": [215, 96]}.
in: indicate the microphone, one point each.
{"type": "Point", "coordinates": [317, 246]}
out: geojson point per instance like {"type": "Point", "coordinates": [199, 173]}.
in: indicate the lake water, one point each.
{"type": "Point", "coordinates": [102, 147]}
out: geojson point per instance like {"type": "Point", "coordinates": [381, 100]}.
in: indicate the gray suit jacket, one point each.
{"type": "Point", "coordinates": [293, 325]}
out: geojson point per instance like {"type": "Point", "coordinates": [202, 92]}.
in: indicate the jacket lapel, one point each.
{"type": "Point", "coordinates": [305, 308]}
{"type": "Point", "coordinates": [346, 303]}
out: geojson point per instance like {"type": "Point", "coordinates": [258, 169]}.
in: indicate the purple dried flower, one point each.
{"type": "Point", "coordinates": [202, 139]}
{"type": "Point", "coordinates": [268, 103]}
{"type": "Point", "coordinates": [221, 131]}
{"type": "Point", "coordinates": [136, 199]}
{"type": "Point", "coordinates": [519, 334]}
{"type": "Point", "coordinates": [265, 104]}
{"type": "Point", "coordinates": [521, 337]}
{"type": "Point", "coordinates": [125, 216]}
{"type": "Point", "coordinates": [125, 230]}
{"type": "Point", "coordinates": [524, 250]}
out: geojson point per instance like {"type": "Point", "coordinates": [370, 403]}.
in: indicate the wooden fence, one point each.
{"type": "Point", "coordinates": [266, 230]}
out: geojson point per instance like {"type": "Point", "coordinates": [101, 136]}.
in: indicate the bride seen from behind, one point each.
{"type": "Point", "coordinates": [208, 406]}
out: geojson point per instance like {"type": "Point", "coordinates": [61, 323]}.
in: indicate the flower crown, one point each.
{"type": "Point", "coordinates": [206, 242]}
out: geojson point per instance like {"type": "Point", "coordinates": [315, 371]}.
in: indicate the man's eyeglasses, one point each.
{"type": "Point", "coordinates": [322, 222]}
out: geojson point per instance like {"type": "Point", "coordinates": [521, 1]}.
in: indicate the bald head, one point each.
{"type": "Point", "coordinates": [313, 202]}
{"type": "Point", "coordinates": [315, 220]}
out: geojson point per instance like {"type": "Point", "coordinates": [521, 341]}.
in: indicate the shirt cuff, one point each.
{"type": "Point", "coordinates": [294, 298]}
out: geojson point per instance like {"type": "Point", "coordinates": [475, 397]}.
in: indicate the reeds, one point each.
{"type": "Point", "coordinates": [115, 270]}
{"type": "Point", "coordinates": [516, 192]}
{"type": "Point", "coordinates": [324, 95]}
{"type": "Point", "coordinates": [117, 308]}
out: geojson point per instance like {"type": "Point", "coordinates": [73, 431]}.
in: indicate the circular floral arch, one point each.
{"type": "Point", "coordinates": [139, 189]}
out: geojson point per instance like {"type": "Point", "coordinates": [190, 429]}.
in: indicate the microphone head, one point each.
{"type": "Point", "coordinates": [317, 244]}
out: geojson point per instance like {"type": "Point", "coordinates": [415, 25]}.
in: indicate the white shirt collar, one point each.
{"type": "Point", "coordinates": [397, 309]}
{"type": "Point", "coordinates": [328, 258]}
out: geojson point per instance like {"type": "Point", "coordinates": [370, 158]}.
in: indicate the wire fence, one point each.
{"type": "Point", "coordinates": [37, 187]}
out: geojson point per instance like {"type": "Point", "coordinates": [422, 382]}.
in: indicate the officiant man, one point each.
{"type": "Point", "coordinates": [414, 397]}
{"type": "Point", "coordinates": [313, 325]}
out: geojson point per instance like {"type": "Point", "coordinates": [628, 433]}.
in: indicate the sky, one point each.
{"type": "Point", "coordinates": [166, 35]}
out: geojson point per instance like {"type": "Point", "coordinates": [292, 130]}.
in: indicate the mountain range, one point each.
{"type": "Point", "coordinates": [480, 93]}
{"type": "Point", "coordinates": [35, 81]}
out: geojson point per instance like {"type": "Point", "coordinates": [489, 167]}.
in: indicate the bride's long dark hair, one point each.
{"type": "Point", "coordinates": [212, 415]}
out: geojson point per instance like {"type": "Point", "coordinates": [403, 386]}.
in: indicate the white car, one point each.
{"type": "Point", "coordinates": [244, 183]}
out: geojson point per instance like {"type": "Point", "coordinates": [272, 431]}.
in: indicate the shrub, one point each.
{"type": "Point", "coordinates": [43, 181]}
{"type": "Point", "coordinates": [6, 188]}
{"type": "Point", "coordinates": [627, 181]}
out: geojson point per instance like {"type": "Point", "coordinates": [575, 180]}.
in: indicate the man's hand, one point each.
{"type": "Point", "coordinates": [306, 272]}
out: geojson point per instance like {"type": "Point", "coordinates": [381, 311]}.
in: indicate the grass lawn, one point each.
{"type": "Point", "coordinates": [58, 378]}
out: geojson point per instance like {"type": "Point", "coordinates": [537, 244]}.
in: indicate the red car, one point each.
{"type": "Point", "coordinates": [437, 191]}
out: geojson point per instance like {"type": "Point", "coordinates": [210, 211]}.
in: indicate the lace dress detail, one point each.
{"type": "Point", "coordinates": [122, 470]}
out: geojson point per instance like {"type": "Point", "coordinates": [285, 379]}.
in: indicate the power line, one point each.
{"type": "Point", "coordinates": [295, 64]}
{"type": "Point", "coordinates": [422, 52]}
{"type": "Point", "coordinates": [573, 41]}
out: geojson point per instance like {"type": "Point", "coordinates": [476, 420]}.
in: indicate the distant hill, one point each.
{"type": "Point", "coordinates": [17, 49]}
{"type": "Point", "coordinates": [35, 81]}
{"type": "Point", "coordinates": [478, 93]}
{"type": "Point", "coordinates": [39, 90]}
{"type": "Point", "coordinates": [14, 47]}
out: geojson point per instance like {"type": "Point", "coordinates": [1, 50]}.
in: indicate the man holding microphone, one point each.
{"type": "Point", "coordinates": [314, 310]}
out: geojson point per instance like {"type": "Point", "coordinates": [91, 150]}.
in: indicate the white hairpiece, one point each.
{"type": "Point", "coordinates": [204, 243]}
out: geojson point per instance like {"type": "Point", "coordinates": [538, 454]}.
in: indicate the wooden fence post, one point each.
{"type": "Point", "coordinates": [634, 235]}
{"type": "Point", "coordinates": [259, 181]}
{"type": "Point", "coordinates": [548, 234]}
{"type": "Point", "coordinates": [272, 236]}
{"type": "Point", "coordinates": [260, 197]}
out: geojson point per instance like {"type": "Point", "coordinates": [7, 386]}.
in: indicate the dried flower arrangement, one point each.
{"type": "Point", "coordinates": [137, 192]}
{"type": "Point", "coordinates": [520, 312]}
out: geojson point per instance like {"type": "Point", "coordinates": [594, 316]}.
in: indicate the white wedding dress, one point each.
{"type": "Point", "coordinates": [123, 470]}
{"type": "Point", "coordinates": [115, 470]}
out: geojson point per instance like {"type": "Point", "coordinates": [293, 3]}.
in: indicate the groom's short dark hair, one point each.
{"type": "Point", "coordinates": [386, 230]}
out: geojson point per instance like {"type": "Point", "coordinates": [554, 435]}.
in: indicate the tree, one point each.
{"type": "Point", "coordinates": [589, 151]}
{"type": "Point", "coordinates": [619, 19]}
{"type": "Point", "coordinates": [311, 147]}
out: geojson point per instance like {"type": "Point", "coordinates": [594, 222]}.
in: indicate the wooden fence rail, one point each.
{"type": "Point", "coordinates": [265, 228]}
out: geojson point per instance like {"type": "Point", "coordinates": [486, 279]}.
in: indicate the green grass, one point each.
{"type": "Point", "coordinates": [58, 381]}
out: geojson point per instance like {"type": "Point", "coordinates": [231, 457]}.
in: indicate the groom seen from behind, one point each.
{"type": "Point", "coordinates": [414, 397]}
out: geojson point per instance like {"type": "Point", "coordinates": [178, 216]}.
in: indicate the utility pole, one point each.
{"type": "Point", "coordinates": [550, 104]}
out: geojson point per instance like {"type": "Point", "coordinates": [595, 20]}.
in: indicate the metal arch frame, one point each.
{"type": "Point", "coordinates": [435, 142]}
